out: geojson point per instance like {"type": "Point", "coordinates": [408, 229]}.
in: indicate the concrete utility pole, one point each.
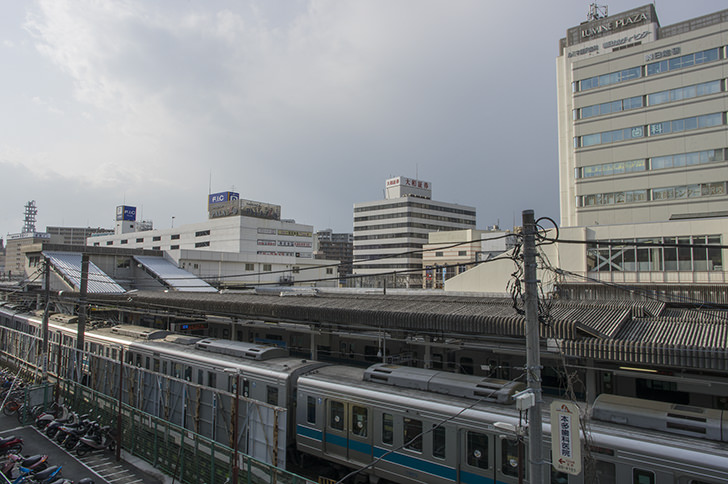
{"type": "Point", "coordinates": [47, 290]}
{"type": "Point", "coordinates": [81, 335]}
{"type": "Point", "coordinates": [533, 357]}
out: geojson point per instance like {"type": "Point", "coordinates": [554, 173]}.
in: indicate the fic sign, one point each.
{"type": "Point", "coordinates": [565, 443]}
{"type": "Point", "coordinates": [125, 212]}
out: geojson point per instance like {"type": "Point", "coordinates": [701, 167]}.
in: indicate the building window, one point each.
{"type": "Point", "coordinates": [140, 239]}
{"type": "Point", "coordinates": [109, 242]}
{"type": "Point", "coordinates": [688, 60]}
{"type": "Point", "coordinates": [462, 253]}
{"type": "Point", "coordinates": [124, 241]}
{"type": "Point", "coordinates": [157, 247]}
{"type": "Point", "coordinates": [123, 263]}
{"type": "Point", "coordinates": [173, 247]}
{"type": "Point", "coordinates": [96, 244]}
{"type": "Point", "coordinates": [296, 269]}
{"type": "Point", "coordinates": [267, 267]}
{"type": "Point", "coordinates": [175, 237]}
{"type": "Point", "coordinates": [202, 244]}
{"type": "Point", "coordinates": [156, 238]}
{"type": "Point", "coordinates": [611, 78]}
{"type": "Point", "coordinates": [438, 254]}
{"type": "Point", "coordinates": [249, 267]}
{"type": "Point", "coordinates": [202, 233]}
{"type": "Point", "coordinates": [329, 270]}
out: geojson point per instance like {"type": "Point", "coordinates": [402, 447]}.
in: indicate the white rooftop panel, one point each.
{"type": "Point", "coordinates": [69, 265]}
{"type": "Point", "coordinates": [172, 276]}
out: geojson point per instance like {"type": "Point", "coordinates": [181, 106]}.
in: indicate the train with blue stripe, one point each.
{"type": "Point", "coordinates": [391, 424]}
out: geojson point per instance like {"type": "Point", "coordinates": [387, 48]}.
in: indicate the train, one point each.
{"type": "Point", "coordinates": [390, 423]}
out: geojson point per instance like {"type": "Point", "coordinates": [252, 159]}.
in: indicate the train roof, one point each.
{"type": "Point", "coordinates": [456, 384]}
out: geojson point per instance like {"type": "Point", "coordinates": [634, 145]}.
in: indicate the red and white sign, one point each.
{"type": "Point", "coordinates": [565, 442]}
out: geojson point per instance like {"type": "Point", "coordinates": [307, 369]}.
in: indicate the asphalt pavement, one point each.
{"type": "Point", "coordinates": [101, 466]}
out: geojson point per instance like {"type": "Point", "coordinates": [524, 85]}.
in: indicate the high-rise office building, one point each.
{"type": "Point", "coordinates": [389, 234]}
{"type": "Point", "coordinates": [642, 144]}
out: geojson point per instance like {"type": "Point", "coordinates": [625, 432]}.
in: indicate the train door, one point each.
{"type": "Point", "coordinates": [336, 443]}
{"type": "Point", "coordinates": [348, 431]}
{"type": "Point", "coordinates": [507, 461]}
{"type": "Point", "coordinates": [477, 457]}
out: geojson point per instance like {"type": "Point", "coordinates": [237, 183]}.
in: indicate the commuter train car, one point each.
{"type": "Point", "coordinates": [428, 426]}
{"type": "Point", "coordinates": [400, 424]}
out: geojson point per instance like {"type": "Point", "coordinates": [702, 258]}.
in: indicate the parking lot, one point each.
{"type": "Point", "coordinates": [100, 466]}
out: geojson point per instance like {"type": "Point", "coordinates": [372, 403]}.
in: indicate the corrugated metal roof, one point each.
{"type": "Point", "coordinates": [68, 264]}
{"type": "Point", "coordinates": [172, 276]}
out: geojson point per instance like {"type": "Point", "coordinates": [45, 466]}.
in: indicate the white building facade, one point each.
{"type": "Point", "coordinates": [389, 234]}
{"type": "Point", "coordinates": [243, 242]}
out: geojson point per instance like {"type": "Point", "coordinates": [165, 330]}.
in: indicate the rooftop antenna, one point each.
{"type": "Point", "coordinates": [29, 221]}
{"type": "Point", "coordinates": [596, 12]}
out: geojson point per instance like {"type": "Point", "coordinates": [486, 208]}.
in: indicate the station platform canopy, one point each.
{"type": "Point", "coordinates": [171, 276]}
{"type": "Point", "coordinates": [68, 265]}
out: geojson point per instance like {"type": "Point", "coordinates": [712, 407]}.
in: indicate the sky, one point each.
{"type": "Point", "coordinates": [310, 105]}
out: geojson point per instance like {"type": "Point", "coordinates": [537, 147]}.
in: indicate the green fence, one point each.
{"type": "Point", "coordinates": [180, 453]}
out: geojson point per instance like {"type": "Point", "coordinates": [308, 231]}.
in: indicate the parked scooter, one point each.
{"type": "Point", "coordinates": [55, 412]}
{"type": "Point", "coordinates": [73, 433]}
{"type": "Point", "coordinates": [101, 439]}
{"type": "Point", "coordinates": [12, 445]}
{"type": "Point", "coordinates": [62, 480]}
{"type": "Point", "coordinates": [35, 463]}
{"type": "Point", "coordinates": [46, 476]}
{"type": "Point", "coordinates": [53, 427]}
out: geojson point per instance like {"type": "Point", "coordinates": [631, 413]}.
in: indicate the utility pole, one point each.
{"type": "Point", "coordinates": [81, 334]}
{"type": "Point", "coordinates": [44, 350]}
{"type": "Point", "coordinates": [533, 357]}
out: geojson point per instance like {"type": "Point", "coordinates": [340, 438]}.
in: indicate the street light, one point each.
{"type": "Point", "coordinates": [236, 469]}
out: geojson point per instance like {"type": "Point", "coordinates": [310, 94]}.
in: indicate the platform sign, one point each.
{"type": "Point", "coordinates": [565, 442]}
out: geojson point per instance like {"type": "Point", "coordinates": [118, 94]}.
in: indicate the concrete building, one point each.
{"type": "Point", "coordinates": [336, 247]}
{"type": "Point", "coordinates": [75, 235]}
{"type": "Point", "coordinates": [447, 254]}
{"type": "Point", "coordinates": [243, 243]}
{"type": "Point", "coordinates": [16, 245]}
{"type": "Point", "coordinates": [389, 234]}
{"type": "Point", "coordinates": [643, 156]}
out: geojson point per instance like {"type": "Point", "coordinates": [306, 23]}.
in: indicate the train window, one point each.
{"type": "Point", "coordinates": [359, 421]}
{"type": "Point", "coordinates": [146, 363]}
{"type": "Point", "coordinates": [156, 365]}
{"type": "Point", "coordinates": [246, 388]}
{"type": "Point", "coordinates": [272, 397]}
{"type": "Point", "coordinates": [412, 434]}
{"type": "Point", "coordinates": [640, 476]}
{"type": "Point", "coordinates": [311, 410]}
{"type": "Point", "coordinates": [200, 377]}
{"type": "Point", "coordinates": [138, 360]}
{"type": "Point", "coordinates": [509, 457]}
{"type": "Point", "coordinates": [188, 373]}
{"type": "Point", "coordinates": [477, 450]}
{"type": "Point", "coordinates": [211, 379]}
{"type": "Point", "coordinates": [387, 428]}
{"type": "Point", "coordinates": [606, 472]}
{"type": "Point", "coordinates": [336, 415]}
{"type": "Point", "coordinates": [177, 370]}
{"type": "Point", "coordinates": [164, 367]}
{"type": "Point", "coordinates": [437, 361]}
{"type": "Point", "coordinates": [438, 442]}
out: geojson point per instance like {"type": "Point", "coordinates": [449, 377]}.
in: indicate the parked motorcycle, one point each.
{"type": "Point", "coordinates": [53, 427]}
{"type": "Point", "coordinates": [11, 445]}
{"type": "Point", "coordinates": [36, 462]}
{"type": "Point", "coordinates": [101, 439]}
{"type": "Point", "coordinates": [55, 412]}
{"type": "Point", "coordinates": [74, 434]}
{"type": "Point", "coordinates": [45, 476]}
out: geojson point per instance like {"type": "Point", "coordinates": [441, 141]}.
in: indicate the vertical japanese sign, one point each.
{"type": "Point", "coordinates": [565, 443]}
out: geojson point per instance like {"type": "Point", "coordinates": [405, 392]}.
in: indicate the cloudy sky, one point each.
{"type": "Point", "coordinates": [307, 104]}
